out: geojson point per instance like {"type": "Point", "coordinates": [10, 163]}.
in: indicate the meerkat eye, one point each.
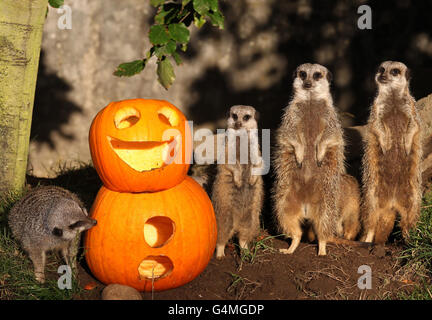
{"type": "Point", "coordinates": [395, 72]}
{"type": "Point", "coordinates": [76, 225]}
{"type": "Point", "coordinates": [246, 117]}
{"type": "Point", "coordinates": [234, 116]}
{"type": "Point", "coordinates": [381, 70]}
{"type": "Point", "coordinates": [302, 75]}
{"type": "Point", "coordinates": [317, 75]}
{"type": "Point", "coordinates": [57, 232]}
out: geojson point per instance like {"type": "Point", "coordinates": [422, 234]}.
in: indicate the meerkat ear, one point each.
{"type": "Point", "coordinates": [294, 74]}
{"type": "Point", "coordinates": [329, 76]}
{"type": "Point", "coordinates": [408, 74]}
{"type": "Point", "coordinates": [57, 232]}
{"type": "Point", "coordinates": [257, 115]}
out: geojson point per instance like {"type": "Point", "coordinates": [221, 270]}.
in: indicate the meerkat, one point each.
{"type": "Point", "coordinates": [392, 157]}
{"type": "Point", "coordinates": [309, 159]}
{"type": "Point", "coordinates": [238, 192]}
{"type": "Point", "coordinates": [49, 218]}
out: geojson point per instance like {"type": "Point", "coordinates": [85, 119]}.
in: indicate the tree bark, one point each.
{"type": "Point", "coordinates": [21, 25]}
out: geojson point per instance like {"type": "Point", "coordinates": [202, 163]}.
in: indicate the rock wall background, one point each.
{"type": "Point", "coordinates": [250, 62]}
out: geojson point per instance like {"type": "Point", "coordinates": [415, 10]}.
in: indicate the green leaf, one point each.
{"type": "Point", "coordinates": [129, 69]}
{"type": "Point", "coordinates": [177, 58]}
{"type": "Point", "coordinates": [165, 50]}
{"type": "Point", "coordinates": [184, 47]}
{"type": "Point", "coordinates": [185, 2]}
{"type": "Point", "coordinates": [160, 17]}
{"type": "Point", "coordinates": [213, 5]}
{"type": "Point", "coordinates": [201, 6]}
{"type": "Point", "coordinates": [56, 3]}
{"type": "Point", "coordinates": [217, 19]}
{"type": "Point", "coordinates": [179, 32]}
{"type": "Point", "coordinates": [158, 35]}
{"type": "Point", "coordinates": [156, 3]}
{"type": "Point", "coordinates": [165, 73]}
{"type": "Point", "coordinates": [199, 20]}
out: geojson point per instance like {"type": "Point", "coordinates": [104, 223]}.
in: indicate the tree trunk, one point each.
{"type": "Point", "coordinates": [21, 25]}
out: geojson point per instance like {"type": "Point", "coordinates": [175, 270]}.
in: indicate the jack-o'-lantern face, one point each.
{"type": "Point", "coordinates": [140, 145]}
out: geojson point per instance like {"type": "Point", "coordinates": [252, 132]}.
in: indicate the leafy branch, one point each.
{"type": "Point", "coordinates": [169, 35]}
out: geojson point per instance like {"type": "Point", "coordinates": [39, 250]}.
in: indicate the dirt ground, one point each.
{"type": "Point", "coordinates": [271, 275]}
{"type": "Point", "coordinates": [276, 276]}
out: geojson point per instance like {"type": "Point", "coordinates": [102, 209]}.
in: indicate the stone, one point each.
{"type": "Point", "coordinates": [120, 292]}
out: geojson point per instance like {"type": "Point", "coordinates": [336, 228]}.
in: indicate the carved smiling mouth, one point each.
{"type": "Point", "coordinates": [145, 155]}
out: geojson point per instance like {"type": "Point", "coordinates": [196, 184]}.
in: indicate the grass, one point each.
{"type": "Point", "coordinates": [240, 285]}
{"type": "Point", "coordinates": [417, 255]}
{"type": "Point", "coordinates": [260, 247]}
{"type": "Point", "coordinates": [17, 280]}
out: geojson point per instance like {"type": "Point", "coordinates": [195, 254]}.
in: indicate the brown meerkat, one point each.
{"type": "Point", "coordinates": [238, 193]}
{"type": "Point", "coordinates": [309, 159]}
{"type": "Point", "coordinates": [392, 158]}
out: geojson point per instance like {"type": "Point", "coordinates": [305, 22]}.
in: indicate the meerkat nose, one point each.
{"type": "Point", "coordinates": [307, 84]}
{"type": "Point", "coordinates": [237, 125]}
{"type": "Point", "coordinates": [382, 77]}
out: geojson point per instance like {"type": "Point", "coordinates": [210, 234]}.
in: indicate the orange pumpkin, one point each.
{"type": "Point", "coordinates": [140, 145]}
{"type": "Point", "coordinates": [166, 238]}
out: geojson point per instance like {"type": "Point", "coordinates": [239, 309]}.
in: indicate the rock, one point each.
{"type": "Point", "coordinates": [120, 292]}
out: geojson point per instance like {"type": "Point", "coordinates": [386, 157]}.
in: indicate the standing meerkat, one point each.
{"type": "Point", "coordinates": [238, 192]}
{"type": "Point", "coordinates": [392, 158]}
{"type": "Point", "coordinates": [309, 160]}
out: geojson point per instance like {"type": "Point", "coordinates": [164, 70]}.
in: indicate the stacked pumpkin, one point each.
{"type": "Point", "coordinates": [156, 226]}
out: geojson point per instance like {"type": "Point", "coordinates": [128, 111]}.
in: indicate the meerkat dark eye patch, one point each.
{"type": "Point", "coordinates": [246, 117]}
{"type": "Point", "coordinates": [395, 72]}
{"type": "Point", "coordinates": [57, 232]}
{"type": "Point", "coordinates": [234, 116]}
{"type": "Point", "coordinates": [302, 75]}
{"type": "Point", "coordinates": [76, 225]}
{"type": "Point", "coordinates": [317, 75]}
{"type": "Point", "coordinates": [381, 70]}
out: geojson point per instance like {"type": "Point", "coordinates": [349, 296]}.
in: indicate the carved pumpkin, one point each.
{"type": "Point", "coordinates": [140, 145]}
{"type": "Point", "coordinates": [166, 238]}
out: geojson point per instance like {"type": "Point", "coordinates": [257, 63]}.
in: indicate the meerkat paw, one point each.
{"type": "Point", "coordinates": [40, 277]}
{"type": "Point", "coordinates": [294, 244]}
{"type": "Point", "coordinates": [243, 244]}
{"type": "Point", "coordinates": [407, 146]}
{"type": "Point", "coordinates": [220, 251]}
{"type": "Point", "coordinates": [237, 181]}
{"type": "Point", "coordinates": [253, 179]}
{"type": "Point", "coordinates": [322, 251]}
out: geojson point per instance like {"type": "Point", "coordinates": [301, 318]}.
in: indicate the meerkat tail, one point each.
{"type": "Point", "coordinates": [352, 243]}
